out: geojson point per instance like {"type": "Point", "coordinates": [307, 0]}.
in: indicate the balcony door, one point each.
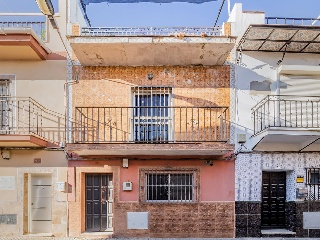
{"type": "Point", "coordinates": [152, 115]}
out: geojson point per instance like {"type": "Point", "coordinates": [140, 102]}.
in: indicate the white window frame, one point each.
{"type": "Point", "coordinates": [169, 120]}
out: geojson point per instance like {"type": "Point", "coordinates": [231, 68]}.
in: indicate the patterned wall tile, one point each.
{"type": "Point", "coordinates": [249, 169]}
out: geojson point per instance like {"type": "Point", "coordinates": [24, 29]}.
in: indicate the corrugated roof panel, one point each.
{"type": "Point", "coordinates": [275, 38]}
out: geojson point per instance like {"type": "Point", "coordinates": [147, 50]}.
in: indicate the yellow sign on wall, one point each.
{"type": "Point", "coordinates": [300, 179]}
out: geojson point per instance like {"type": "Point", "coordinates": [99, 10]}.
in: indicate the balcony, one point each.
{"type": "Point", "coordinates": [150, 131]}
{"type": "Point", "coordinates": [287, 123]}
{"type": "Point", "coordinates": [291, 35]}
{"type": "Point", "coordinates": [23, 40]}
{"type": "Point", "coordinates": [150, 46]}
{"type": "Point", "coordinates": [26, 123]}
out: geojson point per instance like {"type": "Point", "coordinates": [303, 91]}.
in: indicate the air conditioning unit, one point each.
{"type": "Point", "coordinates": [127, 186]}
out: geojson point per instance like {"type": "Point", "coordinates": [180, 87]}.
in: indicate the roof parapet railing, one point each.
{"type": "Point", "coordinates": [151, 31]}
{"type": "Point", "coordinates": [293, 21]}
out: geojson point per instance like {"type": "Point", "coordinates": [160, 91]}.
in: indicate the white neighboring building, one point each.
{"type": "Point", "coordinates": [277, 123]}
{"type": "Point", "coordinates": [33, 165]}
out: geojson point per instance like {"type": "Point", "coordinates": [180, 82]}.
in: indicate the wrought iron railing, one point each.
{"type": "Point", "coordinates": [151, 31]}
{"type": "Point", "coordinates": [287, 111]}
{"type": "Point", "coordinates": [150, 124]}
{"type": "Point", "coordinates": [25, 116]}
{"type": "Point", "coordinates": [313, 183]}
{"type": "Point", "coordinates": [293, 21]}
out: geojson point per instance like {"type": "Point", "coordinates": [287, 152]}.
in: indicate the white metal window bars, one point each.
{"type": "Point", "coordinates": [176, 186]}
{"type": "Point", "coordinates": [5, 108]}
{"type": "Point", "coordinates": [152, 116]}
{"type": "Point", "coordinates": [313, 183]}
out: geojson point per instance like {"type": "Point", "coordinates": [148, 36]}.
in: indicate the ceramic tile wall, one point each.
{"type": "Point", "coordinates": [249, 167]}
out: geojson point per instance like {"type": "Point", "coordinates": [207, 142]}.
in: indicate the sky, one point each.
{"type": "Point", "coordinates": [174, 14]}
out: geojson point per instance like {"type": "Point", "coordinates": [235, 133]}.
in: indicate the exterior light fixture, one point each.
{"type": "Point", "coordinates": [150, 76]}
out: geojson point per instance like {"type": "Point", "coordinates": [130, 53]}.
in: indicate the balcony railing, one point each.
{"type": "Point", "coordinates": [25, 116]}
{"type": "Point", "coordinates": [151, 31]}
{"type": "Point", "coordinates": [8, 20]}
{"type": "Point", "coordinates": [150, 124]}
{"type": "Point", "coordinates": [287, 111]}
{"type": "Point", "coordinates": [293, 21]}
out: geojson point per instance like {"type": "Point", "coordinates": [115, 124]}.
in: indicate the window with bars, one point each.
{"type": "Point", "coordinates": [313, 183]}
{"type": "Point", "coordinates": [170, 186]}
{"type": "Point", "coordinates": [152, 117]}
{"type": "Point", "coordinates": [4, 103]}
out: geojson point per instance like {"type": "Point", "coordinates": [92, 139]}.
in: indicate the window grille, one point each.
{"type": "Point", "coordinates": [152, 117]}
{"type": "Point", "coordinates": [4, 103]}
{"type": "Point", "coordinates": [170, 186]}
{"type": "Point", "coordinates": [313, 183]}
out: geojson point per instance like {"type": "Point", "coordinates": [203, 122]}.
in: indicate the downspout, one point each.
{"type": "Point", "coordinates": [277, 105]}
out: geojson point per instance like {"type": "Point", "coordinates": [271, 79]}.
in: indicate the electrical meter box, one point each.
{"type": "Point", "coordinates": [301, 193]}
{"type": "Point", "coordinates": [127, 186]}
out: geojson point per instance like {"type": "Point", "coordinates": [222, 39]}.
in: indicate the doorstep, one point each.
{"type": "Point", "coordinates": [279, 232]}
{"type": "Point", "coordinates": [39, 235]}
{"type": "Point", "coordinates": [96, 235]}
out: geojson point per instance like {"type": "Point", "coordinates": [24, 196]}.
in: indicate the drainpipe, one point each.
{"type": "Point", "coordinates": [277, 105]}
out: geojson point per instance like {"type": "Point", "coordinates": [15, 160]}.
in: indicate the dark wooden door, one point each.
{"type": "Point", "coordinates": [99, 202]}
{"type": "Point", "coordinates": [273, 199]}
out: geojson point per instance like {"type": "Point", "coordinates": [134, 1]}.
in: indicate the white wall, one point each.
{"type": "Point", "coordinates": [256, 75]}
{"type": "Point", "coordinates": [76, 13]}
{"type": "Point", "coordinates": [241, 20]}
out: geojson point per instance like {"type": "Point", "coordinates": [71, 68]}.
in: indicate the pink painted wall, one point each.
{"type": "Point", "coordinates": [217, 182]}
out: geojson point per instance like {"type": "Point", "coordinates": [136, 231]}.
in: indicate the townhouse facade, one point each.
{"type": "Point", "coordinates": [33, 166]}
{"type": "Point", "coordinates": [150, 142]}
{"type": "Point", "coordinates": [277, 145]}
{"type": "Point", "coordinates": [170, 132]}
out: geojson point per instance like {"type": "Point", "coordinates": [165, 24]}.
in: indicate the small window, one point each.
{"type": "Point", "coordinates": [170, 186]}
{"type": "Point", "coordinates": [313, 176]}
{"type": "Point", "coordinates": [313, 183]}
{"type": "Point", "coordinates": [5, 104]}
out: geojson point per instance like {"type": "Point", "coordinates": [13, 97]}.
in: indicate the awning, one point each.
{"type": "Point", "coordinates": [281, 38]}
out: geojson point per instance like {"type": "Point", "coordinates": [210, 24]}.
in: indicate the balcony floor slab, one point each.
{"type": "Point", "coordinates": [179, 149]}
{"type": "Point", "coordinates": [281, 139]}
